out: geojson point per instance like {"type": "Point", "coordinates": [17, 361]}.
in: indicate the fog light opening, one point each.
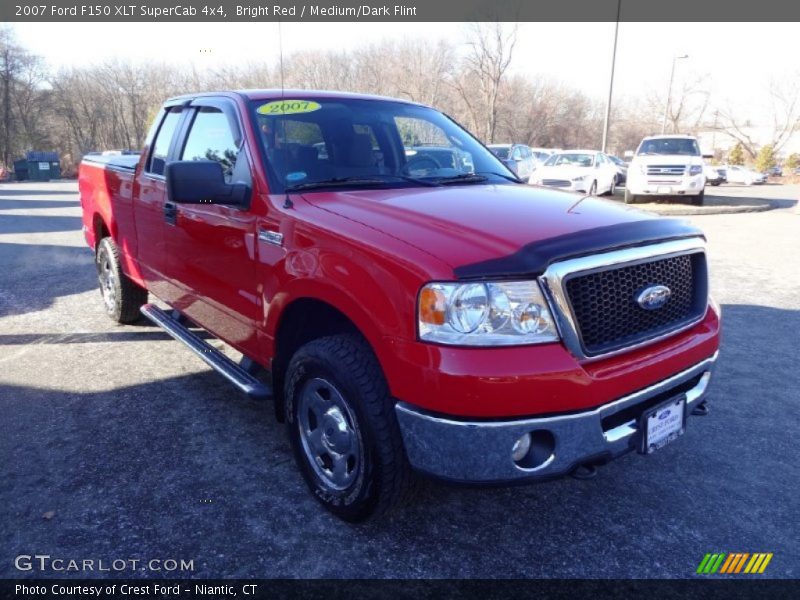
{"type": "Point", "coordinates": [521, 448]}
{"type": "Point", "coordinates": [534, 449]}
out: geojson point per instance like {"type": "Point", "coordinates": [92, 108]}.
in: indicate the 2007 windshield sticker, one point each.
{"type": "Point", "coordinates": [288, 107]}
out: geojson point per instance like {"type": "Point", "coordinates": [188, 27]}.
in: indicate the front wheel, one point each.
{"type": "Point", "coordinates": [699, 199]}
{"type": "Point", "coordinates": [122, 296]}
{"type": "Point", "coordinates": [343, 429]}
{"type": "Point", "coordinates": [593, 189]}
{"type": "Point", "coordinates": [629, 197]}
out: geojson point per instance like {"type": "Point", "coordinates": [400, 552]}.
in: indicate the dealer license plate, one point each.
{"type": "Point", "coordinates": [664, 189]}
{"type": "Point", "coordinates": [662, 424]}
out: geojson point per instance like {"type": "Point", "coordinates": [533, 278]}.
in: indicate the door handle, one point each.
{"type": "Point", "coordinates": [171, 213]}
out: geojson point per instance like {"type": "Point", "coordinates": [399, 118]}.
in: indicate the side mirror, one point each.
{"type": "Point", "coordinates": [202, 182]}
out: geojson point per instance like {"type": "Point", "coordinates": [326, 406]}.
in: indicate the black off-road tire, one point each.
{"type": "Point", "coordinates": [122, 297]}
{"type": "Point", "coordinates": [384, 479]}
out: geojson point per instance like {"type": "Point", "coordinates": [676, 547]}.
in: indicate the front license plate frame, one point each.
{"type": "Point", "coordinates": [662, 424]}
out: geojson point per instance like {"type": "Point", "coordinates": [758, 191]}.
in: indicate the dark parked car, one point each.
{"type": "Point", "coordinates": [622, 168]}
{"type": "Point", "coordinates": [775, 171]}
{"type": "Point", "coordinates": [516, 157]}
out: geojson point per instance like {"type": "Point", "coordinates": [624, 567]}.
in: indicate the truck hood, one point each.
{"type": "Point", "coordinates": [463, 225]}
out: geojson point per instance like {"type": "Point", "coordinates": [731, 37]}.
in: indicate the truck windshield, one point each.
{"type": "Point", "coordinates": [314, 143]}
{"type": "Point", "coordinates": [669, 146]}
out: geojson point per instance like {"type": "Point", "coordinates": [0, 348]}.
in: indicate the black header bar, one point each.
{"type": "Point", "coordinates": [398, 10]}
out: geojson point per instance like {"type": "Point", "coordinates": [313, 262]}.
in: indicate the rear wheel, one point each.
{"type": "Point", "coordinates": [343, 429]}
{"type": "Point", "coordinates": [122, 296]}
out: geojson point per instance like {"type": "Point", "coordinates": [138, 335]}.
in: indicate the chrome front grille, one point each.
{"type": "Point", "coordinates": [670, 170]}
{"type": "Point", "coordinates": [605, 308]}
{"type": "Point", "coordinates": [595, 298]}
{"type": "Point", "coordinates": [556, 182]}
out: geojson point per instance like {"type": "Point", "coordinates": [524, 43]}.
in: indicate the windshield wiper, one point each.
{"type": "Point", "coordinates": [509, 177]}
{"type": "Point", "coordinates": [425, 182]}
{"type": "Point", "coordinates": [335, 182]}
{"type": "Point", "coordinates": [358, 181]}
{"type": "Point", "coordinates": [463, 178]}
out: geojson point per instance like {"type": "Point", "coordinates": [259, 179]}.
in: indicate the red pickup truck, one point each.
{"type": "Point", "coordinates": [407, 303]}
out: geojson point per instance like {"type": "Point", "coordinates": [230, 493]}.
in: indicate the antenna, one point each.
{"type": "Point", "coordinates": [287, 203]}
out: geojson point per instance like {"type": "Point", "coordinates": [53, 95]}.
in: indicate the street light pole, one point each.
{"type": "Point", "coordinates": [611, 83]}
{"type": "Point", "coordinates": [669, 91]}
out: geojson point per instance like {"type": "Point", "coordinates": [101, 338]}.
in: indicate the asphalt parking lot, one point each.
{"type": "Point", "coordinates": [118, 443]}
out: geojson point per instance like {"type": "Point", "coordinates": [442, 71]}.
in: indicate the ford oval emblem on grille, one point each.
{"type": "Point", "coordinates": [654, 297]}
{"type": "Point", "coordinates": [664, 415]}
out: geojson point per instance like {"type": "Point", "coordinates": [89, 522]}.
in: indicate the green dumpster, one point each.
{"type": "Point", "coordinates": [21, 169]}
{"type": "Point", "coordinates": [43, 166]}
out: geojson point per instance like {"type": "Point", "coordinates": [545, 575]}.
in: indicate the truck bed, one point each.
{"type": "Point", "coordinates": [122, 162]}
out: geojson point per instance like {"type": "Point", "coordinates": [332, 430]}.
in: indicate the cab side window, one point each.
{"type": "Point", "coordinates": [161, 144]}
{"type": "Point", "coordinates": [211, 138]}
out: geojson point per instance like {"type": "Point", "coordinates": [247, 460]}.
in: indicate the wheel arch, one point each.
{"type": "Point", "coordinates": [304, 318]}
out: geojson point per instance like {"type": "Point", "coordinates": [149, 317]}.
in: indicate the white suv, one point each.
{"type": "Point", "coordinates": [666, 165]}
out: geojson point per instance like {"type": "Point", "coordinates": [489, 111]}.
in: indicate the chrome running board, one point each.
{"type": "Point", "coordinates": [223, 365]}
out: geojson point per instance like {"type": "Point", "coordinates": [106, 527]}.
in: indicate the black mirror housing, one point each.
{"type": "Point", "coordinates": [202, 182]}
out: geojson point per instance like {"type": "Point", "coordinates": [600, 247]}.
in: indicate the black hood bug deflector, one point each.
{"type": "Point", "coordinates": [534, 258]}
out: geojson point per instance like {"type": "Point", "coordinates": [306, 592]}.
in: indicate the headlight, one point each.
{"type": "Point", "coordinates": [695, 169]}
{"type": "Point", "coordinates": [485, 314]}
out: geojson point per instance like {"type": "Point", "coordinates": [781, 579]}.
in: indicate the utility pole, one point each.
{"type": "Point", "coordinates": [611, 82]}
{"type": "Point", "coordinates": [669, 91]}
{"type": "Point", "coordinates": [6, 104]}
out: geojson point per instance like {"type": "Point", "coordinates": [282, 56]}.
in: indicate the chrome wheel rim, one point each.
{"type": "Point", "coordinates": [107, 282]}
{"type": "Point", "coordinates": [329, 434]}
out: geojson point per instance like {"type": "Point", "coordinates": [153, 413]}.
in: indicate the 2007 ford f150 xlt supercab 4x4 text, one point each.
{"type": "Point", "coordinates": [407, 310]}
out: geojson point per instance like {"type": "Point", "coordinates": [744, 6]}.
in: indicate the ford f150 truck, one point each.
{"type": "Point", "coordinates": [666, 166]}
{"type": "Point", "coordinates": [404, 314]}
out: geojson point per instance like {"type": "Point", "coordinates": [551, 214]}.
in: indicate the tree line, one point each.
{"type": "Point", "coordinates": [110, 105]}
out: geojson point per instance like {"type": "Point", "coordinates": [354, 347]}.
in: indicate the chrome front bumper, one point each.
{"type": "Point", "coordinates": [480, 451]}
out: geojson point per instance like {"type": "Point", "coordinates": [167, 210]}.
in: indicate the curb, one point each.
{"type": "Point", "coordinates": [725, 209]}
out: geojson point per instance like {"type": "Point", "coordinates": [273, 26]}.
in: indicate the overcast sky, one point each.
{"type": "Point", "coordinates": [738, 59]}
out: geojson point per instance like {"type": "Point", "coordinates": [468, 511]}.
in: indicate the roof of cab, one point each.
{"type": "Point", "coordinates": [670, 136]}
{"type": "Point", "coordinates": [278, 94]}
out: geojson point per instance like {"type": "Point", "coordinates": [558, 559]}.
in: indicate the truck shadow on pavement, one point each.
{"type": "Point", "coordinates": [25, 204]}
{"type": "Point", "coordinates": [183, 466]}
{"type": "Point", "coordinates": [34, 275]}
{"type": "Point", "coordinates": [35, 191]}
{"type": "Point", "coordinates": [38, 224]}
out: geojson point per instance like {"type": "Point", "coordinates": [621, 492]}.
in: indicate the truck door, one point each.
{"type": "Point", "coordinates": [149, 193]}
{"type": "Point", "coordinates": [211, 247]}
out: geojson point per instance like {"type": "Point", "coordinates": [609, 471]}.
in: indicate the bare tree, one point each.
{"type": "Point", "coordinates": [489, 54]}
{"type": "Point", "coordinates": [784, 111]}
